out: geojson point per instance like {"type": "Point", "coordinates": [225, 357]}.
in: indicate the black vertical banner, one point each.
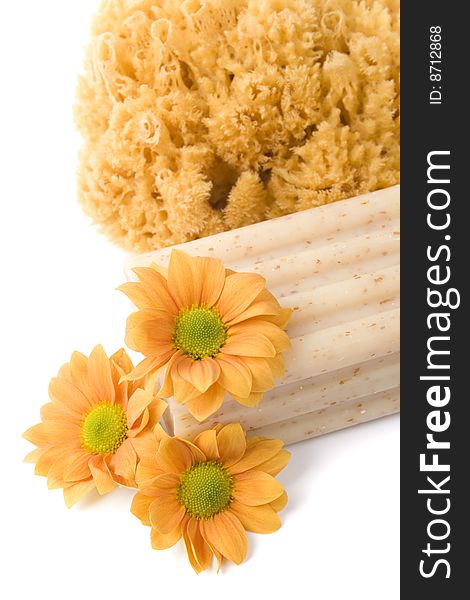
{"type": "Point", "coordinates": [435, 205]}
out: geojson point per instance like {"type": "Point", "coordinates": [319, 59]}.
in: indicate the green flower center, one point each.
{"type": "Point", "coordinates": [104, 428]}
{"type": "Point", "coordinates": [199, 332]}
{"type": "Point", "coordinates": [205, 490]}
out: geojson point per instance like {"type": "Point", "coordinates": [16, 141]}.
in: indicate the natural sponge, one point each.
{"type": "Point", "coordinates": [205, 115]}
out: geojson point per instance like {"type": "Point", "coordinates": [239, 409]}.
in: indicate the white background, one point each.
{"type": "Point", "coordinates": [340, 534]}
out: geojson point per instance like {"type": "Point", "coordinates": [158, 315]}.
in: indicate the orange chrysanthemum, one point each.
{"type": "Point", "coordinates": [95, 429]}
{"type": "Point", "coordinates": [214, 331]}
{"type": "Point", "coordinates": [210, 491]}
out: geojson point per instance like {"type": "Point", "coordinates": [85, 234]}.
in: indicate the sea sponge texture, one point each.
{"type": "Point", "coordinates": [200, 116]}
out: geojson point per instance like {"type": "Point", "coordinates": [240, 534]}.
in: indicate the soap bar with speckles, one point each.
{"type": "Point", "coordinates": [337, 267]}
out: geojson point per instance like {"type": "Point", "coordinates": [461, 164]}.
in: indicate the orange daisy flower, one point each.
{"type": "Point", "coordinates": [95, 429]}
{"type": "Point", "coordinates": [213, 330]}
{"type": "Point", "coordinates": [210, 492]}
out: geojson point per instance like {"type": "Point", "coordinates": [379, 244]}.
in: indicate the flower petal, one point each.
{"type": "Point", "coordinates": [80, 378]}
{"type": "Point", "coordinates": [145, 444]}
{"type": "Point", "coordinates": [265, 304]}
{"type": "Point", "coordinates": [73, 493]}
{"type": "Point", "coordinates": [138, 402]}
{"type": "Point", "coordinates": [257, 454]}
{"type": "Point", "coordinates": [275, 464]}
{"type": "Point", "coordinates": [256, 487]}
{"type": "Point", "coordinates": [125, 461]}
{"type": "Point", "coordinates": [140, 507]}
{"type": "Point", "coordinates": [207, 442]}
{"type": "Point", "coordinates": [166, 514]}
{"type": "Point", "coordinates": [231, 442]}
{"type": "Point", "coordinates": [280, 503]}
{"type": "Point", "coordinates": [253, 344]}
{"type": "Point", "coordinates": [148, 365]}
{"type": "Point", "coordinates": [162, 541]}
{"type": "Point", "coordinates": [206, 404]}
{"type": "Point", "coordinates": [239, 291]}
{"type": "Point", "coordinates": [78, 469]}
{"type": "Point", "coordinates": [137, 294]}
{"type": "Point", "coordinates": [210, 280]}
{"type": "Point", "coordinates": [156, 286]}
{"type": "Point", "coordinates": [235, 376]}
{"type": "Point", "coordinates": [149, 335]}
{"type": "Point", "coordinates": [259, 519]}
{"type": "Point", "coordinates": [181, 279]}
{"type": "Point", "coordinates": [200, 373]}
{"type": "Point", "coordinates": [147, 469]}
{"type": "Point", "coordinates": [174, 456]}
{"type": "Point", "coordinates": [198, 551]}
{"type": "Point", "coordinates": [225, 533]}
{"type": "Point", "coordinates": [275, 334]}
{"type": "Point", "coordinates": [99, 371]}
{"type": "Point", "coordinates": [68, 397]}
{"type": "Point", "coordinates": [252, 401]}
{"type": "Point", "coordinates": [53, 432]}
{"type": "Point", "coordinates": [101, 475]}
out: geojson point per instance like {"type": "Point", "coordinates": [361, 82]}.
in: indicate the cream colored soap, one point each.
{"type": "Point", "coordinates": [337, 267]}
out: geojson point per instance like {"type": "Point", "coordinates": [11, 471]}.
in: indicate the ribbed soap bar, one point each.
{"type": "Point", "coordinates": [337, 267]}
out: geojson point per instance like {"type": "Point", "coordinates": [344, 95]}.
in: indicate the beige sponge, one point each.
{"type": "Point", "coordinates": [200, 116]}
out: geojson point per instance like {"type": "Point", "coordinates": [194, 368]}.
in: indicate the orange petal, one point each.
{"type": "Point", "coordinates": [156, 410]}
{"type": "Point", "coordinates": [231, 442]}
{"type": "Point", "coordinates": [235, 376]}
{"type": "Point", "coordinates": [206, 404]}
{"type": "Point", "coordinates": [263, 377]}
{"type": "Point", "coordinates": [147, 469]}
{"type": "Point", "coordinates": [268, 309]}
{"type": "Point", "coordinates": [78, 469]}
{"type": "Point", "coordinates": [174, 456]}
{"type": "Point", "coordinates": [101, 475]}
{"type": "Point", "coordinates": [46, 460]}
{"type": "Point", "coordinates": [198, 551]}
{"type": "Point", "coordinates": [252, 400]}
{"type": "Point", "coordinates": [183, 390]}
{"type": "Point", "coordinates": [148, 365]}
{"type": "Point", "coordinates": [259, 519]}
{"type": "Point", "coordinates": [138, 402]}
{"type": "Point", "coordinates": [156, 286]}
{"type": "Point", "coordinates": [253, 344]}
{"type": "Point", "coordinates": [149, 335]}
{"type": "Point", "coordinates": [145, 444]}
{"type": "Point", "coordinates": [53, 432]}
{"type": "Point", "coordinates": [207, 442]}
{"type": "Point", "coordinates": [162, 541]}
{"type": "Point", "coordinates": [53, 411]}
{"type": "Point", "coordinates": [73, 493]}
{"type": "Point", "coordinates": [239, 291]}
{"type": "Point", "coordinates": [167, 388]}
{"type": "Point", "coordinates": [125, 461]}
{"type": "Point", "coordinates": [99, 371]}
{"type": "Point", "coordinates": [80, 378]}
{"type": "Point", "coordinates": [275, 334]}
{"type": "Point", "coordinates": [166, 514]}
{"type": "Point", "coordinates": [140, 507]}
{"type": "Point", "coordinates": [257, 454]}
{"type": "Point", "coordinates": [182, 279]}
{"type": "Point", "coordinates": [200, 373]}
{"type": "Point", "coordinates": [280, 502]}
{"type": "Point", "coordinates": [121, 360]}
{"type": "Point", "coordinates": [225, 533]}
{"type": "Point", "coordinates": [281, 319]}
{"type": "Point", "coordinates": [34, 455]}
{"type": "Point", "coordinates": [275, 464]}
{"type": "Point", "coordinates": [137, 294]}
{"type": "Point", "coordinates": [277, 366]}
{"type": "Point", "coordinates": [68, 397]}
{"type": "Point", "coordinates": [55, 474]}
{"type": "Point", "coordinates": [209, 280]}
{"type": "Point", "coordinates": [256, 487]}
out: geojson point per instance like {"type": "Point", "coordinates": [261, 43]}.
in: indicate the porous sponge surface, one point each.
{"type": "Point", "coordinates": [200, 116]}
